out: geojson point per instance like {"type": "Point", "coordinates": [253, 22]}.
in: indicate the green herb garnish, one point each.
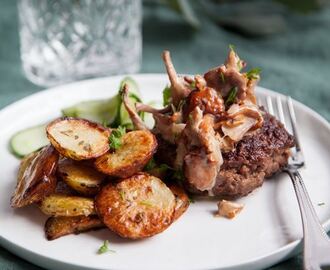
{"type": "Point", "coordinates": [164, 167]}
{"type": "Point", "coordinates": [153, 167]}
{"type": "Point", "coordinates": [146, 203]}
{"type": "Point", "coordinates": [239, 64]}
{"type": "Point", "coordinates": [253, 73]}
{"type": "Point", "coordinates": [122, 194]}
{"type": "Point", "coordinates": [105, 248]}
{"type": "Point", "coordinates": [150, 165]}
{"type": "Point", "coordinates": [232, 47]}
{"type": "Point", "coordinates": [222, 76]}
{"type": "Point", "coordinates": [115, 137]}
{"type": "Point", "coordinates": [178, 175]}
{"type": "Point", "coordinates": [193, 85]}
{"type": "Point", "coordinates": [231, 96]}
{"type": "Point", "coordinates": [321, 203]}
{"type": "Point", "coordinates": [191, 200]}
{"type": "Point", "coordinates": [166, 95]}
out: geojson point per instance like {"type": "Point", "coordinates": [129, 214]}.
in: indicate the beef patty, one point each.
{"type": "Point", "coordinates": [258, 155]}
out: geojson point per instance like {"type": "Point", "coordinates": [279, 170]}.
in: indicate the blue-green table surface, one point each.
{"type": "Point", "coordinates": [296, 62]}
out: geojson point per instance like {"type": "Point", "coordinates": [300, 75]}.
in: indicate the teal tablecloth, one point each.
{"type": "Point", "coordinates": [296, 62]}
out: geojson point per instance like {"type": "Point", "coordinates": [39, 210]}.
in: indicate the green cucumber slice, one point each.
{"type": "Point", "coordinates": [132, 87]}
{"type": "Point", "coordinates": [101, 111]}
{"type": "Point", "coordinates": [148, 118]}
{"type": "Point", "coordinates": [124, 119]}
{"type": "Point", "coordinates": [28, 140]}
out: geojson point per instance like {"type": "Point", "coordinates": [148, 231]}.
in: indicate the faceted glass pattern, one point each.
{"type": "Point", "coordinates": [66, 40]}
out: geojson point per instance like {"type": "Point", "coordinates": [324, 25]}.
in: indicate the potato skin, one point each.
{"type": "Point", "coordinates": [72, 141]}
{"type": "Point", "coordinates": [136, 150]}
{"type": "Point", "coordinates": [181, 199]}
{"type": "Point", "coordinates": [36, 177]}
{"type": "Point", "coordinates": [80, 177]}
{"type": "Point", "coordinates": [64, 205]}
{"type": "Point", "coordinates": [56, 227]}
{"type": "Point", "coordinates": [137, 207]}
{"type": "Point", "coordinates": [63, 189]}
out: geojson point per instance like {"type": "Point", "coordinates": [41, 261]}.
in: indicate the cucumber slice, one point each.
{"type": "Point", "coordinates": [148, 118]}
{"type": "Point", "coordinates": [28, 140]}
{"type": "Point", "coordinates": [101, 111]}
{"type": "Point", "coordinates": [132, 87]}
{"type": "Point", "coordinates": [124, 119]}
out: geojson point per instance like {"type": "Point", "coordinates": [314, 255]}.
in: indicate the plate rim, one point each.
{"type": "Point", "coordinates": [284, 252]}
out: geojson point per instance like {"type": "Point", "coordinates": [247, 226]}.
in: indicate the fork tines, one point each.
{"type": "Point", "coordinates": [280, 113]}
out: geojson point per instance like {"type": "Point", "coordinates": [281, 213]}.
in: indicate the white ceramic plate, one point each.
{"type": "Point", "coordinates": [267, 230]}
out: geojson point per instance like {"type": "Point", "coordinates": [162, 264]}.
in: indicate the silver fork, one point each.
{"type": "Point", "coordinates": [316, 248]}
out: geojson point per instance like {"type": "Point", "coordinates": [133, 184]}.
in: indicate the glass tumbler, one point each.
{"type": "Point", "coordinates": [67, 40]}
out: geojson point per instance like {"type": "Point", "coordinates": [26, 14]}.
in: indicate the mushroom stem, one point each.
{"type": "Point", "coordinates": [137, 121]}
{"type": "Point", "coordinates": [178, 89]}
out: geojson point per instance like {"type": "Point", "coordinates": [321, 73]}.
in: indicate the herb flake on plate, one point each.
{"type": "Point", "coordinates": [105, 248]}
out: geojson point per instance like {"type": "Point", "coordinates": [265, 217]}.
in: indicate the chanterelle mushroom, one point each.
{"type": "Point", "coordinates": [229, 209]}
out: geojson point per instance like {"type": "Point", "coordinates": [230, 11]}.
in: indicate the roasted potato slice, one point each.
{"type": "Point", "coordinates": [136, 150]}
{"type": "Point", "coordinates": [36, 177]}
{"type": "Point", "coordinates": [78, 139]}
{"type": "Point", "coordinates": [64, 205]}
{"type": "Point", "coordinates": [82, 178]}
{"type": "Point", "coordinates": [181, 199]}
{"type": "Point", "coordinates": [64, 189]}
{"type": "Point", "coordinates": [56, 227]}
{"type": "Point", "coordinates": [137, 207]}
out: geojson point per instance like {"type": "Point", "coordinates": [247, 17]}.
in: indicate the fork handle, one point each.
{"type": "Point", "coordinates": [314, 233]}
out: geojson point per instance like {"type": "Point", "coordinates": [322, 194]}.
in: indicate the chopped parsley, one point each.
{"type": "Point", "coordinates": [232, 47]}
{"type": "Point", "coordinates": [239, 64]}
{"type": "Point", "coordinates": [122, 194]}
{"type": "Point", "coordinates": [155, 168]}
{"type": "Point", "coordinates": [193, 85]}
{"type": "Point", "coordinates": [231, 96]}
{"type": "Point", "coordinates": [222, 76]}
{"type": "Point", "coordinates": [321, 204]}
{"type": "Point", "coordinates": [178, 176]}
{"type": "Point", "coordinates": [164, 167]}
{"type": "Point", "coordinates": [191, 200]}
{"type": "Point", "coordinates": [105, 248]}
{"type": "Point", "coordinates": [166, 95]}
{"type": "Point", "coordinates": [150, 165]}
{"type": "Point", "coordinates": [146, 203]}
{"type": "Point", "coordinates": [253, 73]}
{"type": "Point", "coordinates": [115, 137]}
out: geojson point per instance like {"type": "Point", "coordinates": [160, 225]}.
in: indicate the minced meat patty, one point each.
{"type": "Point", "coordinates": [255, 157]}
